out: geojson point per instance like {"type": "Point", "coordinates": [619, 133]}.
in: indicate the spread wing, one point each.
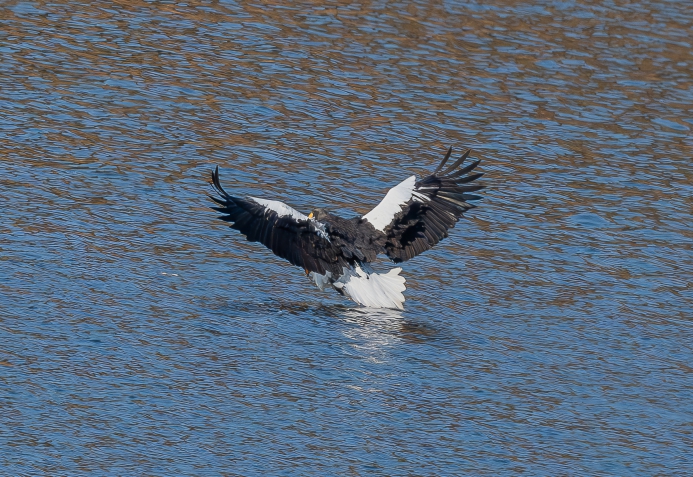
{"type": "Point", "coordinates": [288, 233]}
{"type": "Point", "coordinates": [416, 215]}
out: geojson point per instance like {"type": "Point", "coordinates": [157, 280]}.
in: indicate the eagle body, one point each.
{"type": "Point", "coordinates": [337, 252]}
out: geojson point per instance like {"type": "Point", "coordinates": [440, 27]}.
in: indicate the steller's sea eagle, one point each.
{"type": "Point", "coordinates": [413, 217]}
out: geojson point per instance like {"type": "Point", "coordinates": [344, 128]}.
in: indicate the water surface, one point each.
{"type": "Point", "coordinates": [549, 335]}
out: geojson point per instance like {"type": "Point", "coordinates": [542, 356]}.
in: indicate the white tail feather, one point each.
{"type": "Point", "coordinates": [366, 287]}
{"type": "Point", "coordinates": [373, 289]}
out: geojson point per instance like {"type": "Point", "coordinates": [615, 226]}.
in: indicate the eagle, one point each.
{"type": "Point", "coordinates": [336, 252]}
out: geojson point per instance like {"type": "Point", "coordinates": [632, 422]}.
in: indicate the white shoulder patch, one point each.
{"type": "Point", "coordinates": [284, 210]}
{"type": "Point", "coordinates": [383, 214]}
{"type": "Point", "coordinates": [280, 208]}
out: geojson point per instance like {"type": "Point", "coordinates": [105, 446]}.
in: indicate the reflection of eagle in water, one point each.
{"type": "Point", "coordinates": [413, 217]}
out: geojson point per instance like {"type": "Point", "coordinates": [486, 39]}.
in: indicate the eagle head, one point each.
{"type": "Point", "coordinates": [318, 214]}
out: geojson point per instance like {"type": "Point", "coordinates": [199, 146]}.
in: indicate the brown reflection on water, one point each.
{"type": "Point", "coordinates": [549, 333]}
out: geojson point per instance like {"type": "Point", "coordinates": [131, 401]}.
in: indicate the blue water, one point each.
{"type": "Point", "coordinates": [550, 334]}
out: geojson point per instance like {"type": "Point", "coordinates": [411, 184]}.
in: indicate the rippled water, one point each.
{"type": "Point", "coordinates": [549, 335]}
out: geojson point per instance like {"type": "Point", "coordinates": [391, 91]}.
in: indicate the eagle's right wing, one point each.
{"type": "Point", "coordinates": [291, 235]}
{"type": "Point", "coordinates": [416, 215]}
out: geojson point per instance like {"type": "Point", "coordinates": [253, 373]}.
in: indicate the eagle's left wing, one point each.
{"type": "Point", "coordinates": [416, 215]}
{"type": "Point", "coordinates": [291, 235]}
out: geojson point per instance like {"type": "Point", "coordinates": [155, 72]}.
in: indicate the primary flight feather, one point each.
{"type": "Point", "coordinates": [413, 217]}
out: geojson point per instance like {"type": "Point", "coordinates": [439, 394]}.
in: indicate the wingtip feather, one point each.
{"type": "Point", "coordinates": [473, 177]}
{"type": "Point", "coordinates": [217, 184]}
{"type": "Point", "coordinates": [456, 164]}
{"type": "Point", "coordinates": [445, 159]}
{"type": "Point", "coordinates": [465, 170]}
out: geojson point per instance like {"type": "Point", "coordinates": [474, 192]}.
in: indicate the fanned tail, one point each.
{"type": "Point", "coordinates": [362, 285]}
{"type": "Point", "coordinates": [372, 289]}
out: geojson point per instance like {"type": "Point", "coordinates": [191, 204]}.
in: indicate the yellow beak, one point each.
{"type": "Point", "coordinates": [310, 216]}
